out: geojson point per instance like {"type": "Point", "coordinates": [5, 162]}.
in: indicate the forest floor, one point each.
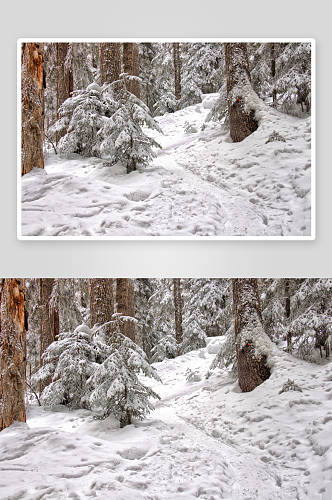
{"type": "Point", "coordinates": [201, 184]}
{"type": "Point", "coordinates": [205, 439]}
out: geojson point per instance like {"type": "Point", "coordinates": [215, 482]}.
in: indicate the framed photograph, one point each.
{"type": "Point", "coordinates": [166, 139]}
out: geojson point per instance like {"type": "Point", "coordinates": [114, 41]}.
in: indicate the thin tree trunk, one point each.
{"type": "Point", "coordinates": [101, 302]}
{"type": "Point", "coordinates": [110, 62]}
{"type": "Point", "coordinates": [136, 83]}
{"type": "Point", "coordinates": [177, 73]}
{"type": "Point", "coordinates": [12, 352]}
{"type": "Point", "coordinates": [273, 74]}
{"type": "Point", "coordinates": [32, 107]}
{"type": "Point", "coordinates": [128, 62]}
{"type": "Point", "coordinates": [49, 321]}
{"type": "Point", "coordinates": [242, 121]}
{"type": "Point", "coordinates": [65, 81]}
{"type": "Point", "coordinates": [287, 313]}
{"type": "Point", "coordinates": [125, 299]}
{"type": "Point", "coordinates": [178, 310]}
{"type": "Point", "coordinates": [248, 326]}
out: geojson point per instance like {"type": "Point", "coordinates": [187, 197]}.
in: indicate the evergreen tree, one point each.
{"type": "Point", "coordinates": [116, 386]}
{"type": "Point", "coordinates": [68, 363]}
{"type": "Point", "coordinates": [65, 81]}
{"type": "Point", "coordinates": [110, 62]}
{"type": "Point", "coordinates": [83, 115]}
{"type": "Point", "coordinates": [177, 73]}
{"type": "Point", "coordinates": [49, 319]}
{"type": "Point", "coordinates": [122, 137]}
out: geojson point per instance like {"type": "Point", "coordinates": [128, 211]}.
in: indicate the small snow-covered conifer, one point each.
{"type": "Point", "coordinates": [70, 361]}
{"type": "Point", "coordinates": [122, 136]}
{"type": "Point", "coordinates": [83, 115]}
{"type": "Point", "coordinates": [115, 384]}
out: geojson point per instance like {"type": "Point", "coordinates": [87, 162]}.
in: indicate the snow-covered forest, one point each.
{"type": "Point", "coordinates": [166, 139]}
{"type": "Point", "coordinates": [162, 389]}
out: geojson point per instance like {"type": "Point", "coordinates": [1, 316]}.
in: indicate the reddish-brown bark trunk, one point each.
{"type": "Point", "coordinates": [178, 310]}
{"type": "Point", "coordinates": [32, 101]}
{"type": "Point", "coordinates": [12, 352]}
{"type": "Point", "coordinates": [252, 371]}
{"type": "Point", "coordinates": [177, 73]}
{"type": "Point", "coordinates": [125, 299]}
{"type": "Point", "coordinates": [242, 121]}
{"type": "Point", "coordinates": [101, 302]}
{"type": "Point", "coordinates": [110, 62]}
{"type": "Point", "coordinates": [49, 321]}
{"type": "Point", "coordinates": [65, 81]}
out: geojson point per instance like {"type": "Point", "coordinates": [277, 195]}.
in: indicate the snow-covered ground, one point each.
{"type": "Point", "coordinates": [205, 439]}
{"type": "Point", "coordinates": [201, 184]}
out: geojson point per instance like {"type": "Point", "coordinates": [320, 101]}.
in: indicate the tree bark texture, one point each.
{"type": "Point", "coordinates": [252, 371]}
{"type": "Point", "coordinates": [110, 62]}
{"type": "Point", "coordinates": [125, 299]}
{"type": "Point", "coordinates": [287, 312]}
{"type": "Point", "coordinates": [65, 80]}
{"type": "Point", "coordinates": [131, 66]}
{"type": "Point", "coordinates": [178, 310]}
{"type": "Point", "coordinates": [242, 121]}
{"type": "Point", "coordinates": [32, 101]}
{"type": "Point", "coordinates": [177, 73]}
{"type": "Point", "coordinates": [101, 302]}
{"type": "Point", "coordinates": [12, 352]}
{"type": "Point", "coordinates": [49, 321]}
{"type": "Point", "coordinates": [273, 73]}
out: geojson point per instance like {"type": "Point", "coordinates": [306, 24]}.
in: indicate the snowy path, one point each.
{"type": "Point", "coordinates": [200, 184]}
{"type": "Point", "coordinates": [205, 439]}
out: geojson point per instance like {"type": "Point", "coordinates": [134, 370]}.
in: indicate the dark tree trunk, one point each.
{"type": "Point", "coordinates": [136, 84]}
{"type": "Point", "coordinates": [178, 310]}
{"type": "Point", "coordinates": [110, 62]}
{"type": "Point", "coordinates": [177, 73]}
{"type": "Point", "coordinates": [252, 370]}
{"type": "Point", "coordinates": [12, 352]}
{"type": "Point", "coordinates": [273, 74]}
{"type": "Point", "coordinates": [242, 121]}
{"type": "Point", "coordinates": [125, 299]}
{"type": "Point", "coordinates": [49, 321]}
{"type": "Point", "coordinates": [287, 313]}
{"type": "Point", "coordinates": [65, 81]}
{"type": "Point", "coordinates": [32, 107]}
{"type": "Point", "coordinates": [101, 302]}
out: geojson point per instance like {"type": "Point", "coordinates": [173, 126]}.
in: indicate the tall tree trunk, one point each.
{"type": "Point", "coordinates": [12, 352]}
{"type": "Point", "coordinates": [177, 73]}
{"type": "Point", "coordinates": [287, 313]}
{"type": "Point", "coordinates": [178, 310]}
{"type": "Point", "coordinates": [273, 74]}
{"type": "Point", "coordinates": [242, 121]}
{"type": "Point", "coordinates": [65, 81]}
{"type": "Point", "coordinates": [32, 107]}
{"type": "Point", "coordinates": [110, 62]}
{"type": "Point", "coordinates": [49, 321]}
{"type": "Point", "coordinates": [128, 62]}
{"type": "Point", "coordinates": [101, 302]}
{"type": "Point", "coordinates": [131, 66]}
{"type": "Point", "coordinates": [136, 83]}
{"type": "Point", "coordinates": [125, 299]}
{"type": "Point", "coordinates": [248, 325]}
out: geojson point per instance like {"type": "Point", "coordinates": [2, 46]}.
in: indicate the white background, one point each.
{"type": "Point", "coordinates": [162, 19]}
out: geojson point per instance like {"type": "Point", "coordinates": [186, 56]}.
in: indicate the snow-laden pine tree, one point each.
{"type": "Point", "coordinates": [122, 138]}
{"type": "Point", "coordinates": [144, 290]}
{"type": "Point", "coordinates": [69, 362]}
{"type": "Point", "coordinates": [115, 384]}
{"type": "Point", "coordinates": [201, 72]}
{"type": "Point", "coordinates": [82, 116]}
{"type": "Point", "coordinates": [164, 80]}
{"type": "Point", "coordinates": [310, 322]}
{"type": "Point", "coordinates": [147, 72]}
{"type": "Point", "coordinates": [203, 310]}
{"type": "Point", "coordinates": [162, 328]}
